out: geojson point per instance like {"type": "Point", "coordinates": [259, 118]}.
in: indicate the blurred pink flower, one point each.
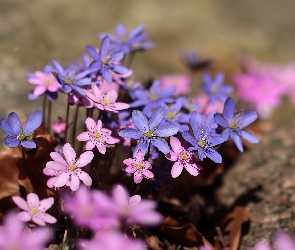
{"type": "Point", "coordinates": [44, 82]}
{"type": "Point", "coordinates": [97, 136]}
{"type": "Point", "coordinates": [181, 82]}
{"type": "Point", "coordinates": [105, 101]}
{"type": "Point", "coordinates": [66, 169]}
{"type": "Point", "coordinates": [207, 108]}
{"type": "Point", "coordinates": [13, 237]}
{"type": "Point", "coordinates": [182, 159]}
{"type": "Point", "coordinates": [59, 127]}
{"type": "Point", "coordinates": [34, 209]}
{"type": "Point", "coordinates": [139, 167]}
{"type": "Point", "coordinates": [111, 240]}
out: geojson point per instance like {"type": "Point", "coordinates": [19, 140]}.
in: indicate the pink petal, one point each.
{"type": "Point", "coordinates": [89, 145]}
{"type": "Point", "coordinates": [74, 183]}
{"type": "Point", "coordinates": [134, 200]}
{"type": "Point", "coordinates": [84, 136]}
{"type": "Point", "coordinates": [121, 105]}
{"type": "Point", "coordinates": [172, 156]}
{"type": "Point", "coordinates": [39, 90]}
{"type": "Point", "coordinates": [49, 172]}
{"type": "Point", "coordinates": [175, 145]}
{"type": "Point", "coordinates": [147, 174]}
{"type": "Point", "coordinates": [111, 96]}
{"type": "Point", "coordinates": [101, 148]}
{"type": "Point", "coordinates": [84, 159]}
{"type": "Point", "coordinates": [99, 106]}
{"type": "Point", "coordinates": [69, 154]}
{"type": "Point", "coordinates": [130, 170]}
{"type": "Point", "coordinates": [91, 96]}
{"type": "Point", "coordinates": [111, 140]}
{"type": "Point", "coordinates": [58, 157]}
{"type": "Point", "coordinates": [39, 220]}
{"type": "Point", "coordinates": [176, 169]}
{"type": "Point", "coordinates": [137, 177]}
{"type": "Point", "coordinates": [50, 182]}
{"type": "Point", "coordinates": [33, 199]}
{"type": "Point", "coordinates": [96, 91]}
{"type": "Point", "coordinates": [56, 166]}
{"type": "Point", "coordinates": [139, 155]}
{"type": "Point", "coordinates": [20, 202]}
{"type": "Point", "coordinates": [129, 162]}
{"type": "Point", "coordinates": [90, 124]}
{"type": "Point", "coordinates": [49, 219]}
{"type": "Point", "coordinates": [61, 180]}
{"type": "Point", "coordinates": [85, 178]}
{"type": "Point", "coordinates": [120, 195]}
{"type": "Point", "coordinates": [192, 169]}
{"type": "Point", "coordinates": [45, 204]}
{"type": "Point", "coordinates": [99, 125]}
{"type": "Point", "coordinates": [24, 216]}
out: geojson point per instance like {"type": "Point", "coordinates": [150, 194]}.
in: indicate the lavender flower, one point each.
{"type": "Point", "coordinates": [192, 60]}
{"type": "Point", "coordinates": [153, 98]}
{"type": "Point", "coordinates": [13, 237]}
{"type": "Point", "coordinates": [34, 209]}
{"type": "Point", "coordinates": [234, 124]}
{"type": "Point", "coordinates": [214, 88]}
{"type": "Point", "coordinates": [106, 61]}
{"type": "Point", "coordinates": [70, 79]}
{"type": "Point", "coordinates": [16, 134]}
{"type": "Point", "coordinates": [128, 41]}
{"type": "Point", "coordinates": [203, 139]}
{"type": "Point", "coordinates": [149, 131]}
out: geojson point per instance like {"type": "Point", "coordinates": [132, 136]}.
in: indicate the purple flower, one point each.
{"type": "Point", "coordinates": [234, 124]}
{"type": "Point", "coordinates": [128, 41]}
{"type": "Point", "coordinates": [153, 98]}
{"type": "Point", "coordinates": [182, 159]}
{"type": "Point", "coordinates": [149, 131]}
{"type": "Point", "coordinates": [193, 61]}
{"type": "Point", "coordinates": [34, 209]}
{"type": "Point", "coordinates": [13, 237]}
{"type": "Point", "coordinates": [97, 136]}
{"type": "Point", "coordinates": [16, 134]}
{"type": "Point", "coordinates": [67, 169]}
{"type": "Point", "coordinates": [203, 138]}
{"type": "Point", "coordinates": [214, 88]}
{"type": "Point", "coordinates": [111, 240]}
{"type": "Point", "coordinates": [70, 79]}
{"type": "Point", "coordinates": [106, 61]}
{"type": "Point", "coordinates": [139, 167]}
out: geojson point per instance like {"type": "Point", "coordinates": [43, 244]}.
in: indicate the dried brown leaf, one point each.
{"type": "Point", "coordinates": [232, 224]}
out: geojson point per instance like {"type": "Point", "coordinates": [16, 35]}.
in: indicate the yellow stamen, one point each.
{"type": "Point", "coordinates": [139, 166]}
{"type": "Point", "coordinates": [97, 135]}
{"type": "Point", "coordinates": [21, 136]}
{"type": "Point", "coordinates": [154, 97]}
{"type": "Point", "coordinates": [34, 210]}
{"type": "Point", "coordinates": [201, 143]}
{"type": "Point", "coordinates": [149, 134]}
{"type": "Point", "coordinates": [170, 115]}
{"type": "Point", "coordinates": [72, 167]}
{"type": "Point", "coordinates": [233, 124]}
{"type": "Point", "coordinates": [69, 80]}
{"type": "Point", "coordinates": [183, 156]}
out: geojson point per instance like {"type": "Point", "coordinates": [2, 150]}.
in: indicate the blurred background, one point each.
{"type": "Point", "coordinates": [34, 32]}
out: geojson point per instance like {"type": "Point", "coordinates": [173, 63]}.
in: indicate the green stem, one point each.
{"type": "Point", "coordinates": [75, 126]}
{"type": "Point", "coordinates": [67, 121]}
{"type": "Point", "coordinates": [48, 126]}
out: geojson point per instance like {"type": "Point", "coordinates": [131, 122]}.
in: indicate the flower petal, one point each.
{"type": "Point", "coordinates": [161, 145]}
{"type": "Point", "coordinates": [61, 180]}
{"type": "Point", "coordinates": [20, 202]}
{"type": "Point", "coordinates": [85, 178]}
{"type": "Point", "coordinates": [56, 166]}
{"type": "Point", "coordinates": [69, 154]}
{"type": "Point", "coordinates": [28, 144]}
{"type": "Point", "coordinates": [176, 169]}
{"type": "Point", "coordinates": [140, 121]}
{"type": "Point", "coordinates": [33, 199]}
{"type": "Point", "coordinates": [93, 53]}
{"type": "Point", "coordinates": [248, 117]}
{"type": "Point", "coordinates": [130, 133]}
{"type": "Point", "coordinates": [84, 159]}
{"type": "Point", "coordinates": [45, 204]}
{"type": "Point", "coordinates": [11, 142]}
{"type": "Point", "coordinates": [221, 121]}
{"type": "Point", "coordinates": [74, 182]}
{"type": "Point", "coordinates": [49, 218]}
{"type": "Point", "coordinates": [58, 158]}
{"type": "Point", "coordinates": [249, 137]}
{"type": "Point", "coordinates": [229, 109]}
{"type": "Point", "coordinates": [33, 122]}
{"type": "Point", "coordinates": [213, 155]}
{"type": "Point", "coordinates": [120, 196]}
{"type": "Point", "coordinates": [156, 117]}
{"type": "Point", "coordinates": [24, 216]}
{"type": "Point", "coordinates": [14, 123]}
{"type": "Point", "coordinates": [167, 130]}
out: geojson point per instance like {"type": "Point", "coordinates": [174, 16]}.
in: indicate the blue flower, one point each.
{"type": "Point", "coordinates": [70, 79]}
{"type": "Point", "coordinates": [203, 138]}
{"type": "Point", "coordinates": [215, 89]}
{"type": "Point", "coordinates": [234, 124]}
{"type": "Point", "coordinates": [106, 61]}
{"type": "Point", "coordinates": [16, 134]}
{"type": "Point", "coordinates": [128, 41]}
{"type": "Point", "coordinates": [193, 61]}
{"type": "Point", "coordinates": [153, 98]}
{"type": "Point", "coordinates": [150, 131]}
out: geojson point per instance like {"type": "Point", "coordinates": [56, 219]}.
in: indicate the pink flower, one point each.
{"type": "Point", "coordinates": [13, 237]}
{"type": "Point", "coordinates": [105, 101]}
{"type": "Point", "coordinates": [91, 208]}
{"type": "Point", "coordinates": [182, 159]}
{"type": "Point", "coordinates": [97, 136]}
{"type": "Point", "coordinates": [181, 82]}
{"type": "Point", "coordinates": [44, 82]}
{"type": "Point", "coordinates": [34, 209]}
{"type": "Point", "coordinates": [59, 127]}
{"type": "Point", "coordinates": [67, 169]}
{"type": "Point", "coordinates": [138, 167]}
{"type": "Point", "coordinates": [206, 107]}
{"type": "Point", "coordinates": [111, 240]}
